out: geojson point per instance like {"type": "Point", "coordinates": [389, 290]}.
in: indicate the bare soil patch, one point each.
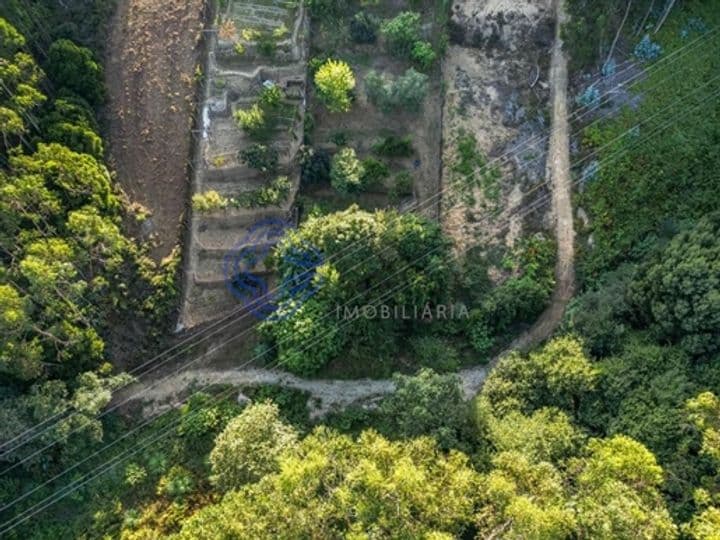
{"type": "Point", "coordinates": [497, 76]}
{"type": "Point", "coordinates": [151, 60]}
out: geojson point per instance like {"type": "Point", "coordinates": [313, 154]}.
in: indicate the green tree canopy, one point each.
{"type": "Point", "coordinates": [559, 374]}
{"type": "Point", "coordinates": [679, 293]}
{"type": "Point", "coordinates": [334, 487]}
{"type": "Point", "coordinates": [346, 171]}
{"type": "Point", "coordinates": [428, 404]}
{"type": "Point", "coordinates": [367, 259]}
{"type": "Point", "coordinates": [74, 67]}
{"type": "Point", "coordinates": [250, 446]}
{"type": "Point", "coordinates": [334, 81]}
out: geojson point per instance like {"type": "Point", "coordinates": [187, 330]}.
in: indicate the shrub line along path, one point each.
{"type": "Point", "coordinates": [330, 394]}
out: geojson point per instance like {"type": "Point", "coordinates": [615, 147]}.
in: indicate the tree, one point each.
{"type": "Point", "coordinates": [251, 120]}
{"type": "Point", "coordinates": [20, 351]}
{"type": "Point", "coordinates": [402, 32]}
{"type": "Point", "coordinates": [11, 41]}
{"type": "Point", "coordinates": [19, 93]}
{"type": "Point", "coordinates": [678, 294]}
{"type": "Point", "coordinates": [71, 123]}
{"type": "Point", "coordinates": [100, 239]}
{"type": "Point", "coordinates": [334, 81]}
{"type": "Point", "coordinates": [406, 92]}
{"type": "Point", "coordinates": [73, 67]}
{"type": "Point", "coordinates": [618, 492]}
{"type": "Point", "coordinates": [559, 375]}
{"type": "Point", "coordinates": [322, 305]}
{"type": "Point", "coordinates": [521, 498]}
{"type": "Point", "coordinates": [346, 171]}
{"type": "Point", "coordinates": [315, 166]}
{"type": "Point", "coordinates": [409, 90]}
{"type": "Point", "coordinates": [250, 446]}
{"type": "Point", "coordinates": [546, 435]}
{"type": "Point", "coordinates": [334, 487]}
{"type": "Point", "coordinates": [79, 179]}
{"type": "Point", "coordinates": [601, 313]}
{"type": "Point", "coordinates": [428, 404]}
{"type": "Point", "coordinates": [45, 403]}
{"type": "Point", "coordinates": [704, 412]}
{"type": "Point", "coordinates": [611, 490]}
{"type": "Point", "coordinates": [326, 10]}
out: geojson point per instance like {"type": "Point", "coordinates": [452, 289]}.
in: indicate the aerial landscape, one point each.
{"type": "Point", "coordinates": [362, 269]}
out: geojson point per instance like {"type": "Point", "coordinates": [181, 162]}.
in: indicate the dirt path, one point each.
{"type": "Point", "coordinates": [334, 394]}
{"type": "Point", "coordinates": [149, 71]}
{"type": "Point", "coordinates": [558, 172]}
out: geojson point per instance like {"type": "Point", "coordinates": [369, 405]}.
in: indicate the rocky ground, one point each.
{"type": "Point", "coordinates": [496, 75]}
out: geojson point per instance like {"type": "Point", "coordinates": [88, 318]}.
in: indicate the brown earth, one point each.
{"type": "Point", "coordinates": [151, 60]}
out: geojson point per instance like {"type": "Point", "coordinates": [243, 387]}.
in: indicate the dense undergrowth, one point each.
{"type": "Point", "coordinates": [67, 271]}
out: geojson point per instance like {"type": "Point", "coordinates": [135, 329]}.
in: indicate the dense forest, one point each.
{"type": "Point", "coordinates": [610, 429]}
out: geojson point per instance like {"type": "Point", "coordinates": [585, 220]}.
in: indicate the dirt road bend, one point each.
{"type": "Point", "coordinates": [334, 394]}
{"type": "Point", "coordinates": [558, 175]}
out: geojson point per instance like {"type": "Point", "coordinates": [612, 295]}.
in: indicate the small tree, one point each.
{"type": "Point", "coordinates": [248, 448]}
{"type": "Point", "coordinates": [334, 81]}
{"type": "Point", "coordinates": [402, 32]}
{"type": "Point", "coordinates": [315, 166]}
{"type": "Point", "coordinates": [271, 97]}
{"type": "Point", "coordinates": [407, 92]}
{"type": "Point", "coordinates": [428, 404]}
{"type": "Point", "coordinates": [423, 55]}
{"type": "Point", "coordinates": [374, 172]}
{"type": "Point", "coordinates": [251, 120]}
{"type": "Point", "coordinates": [346, 171]}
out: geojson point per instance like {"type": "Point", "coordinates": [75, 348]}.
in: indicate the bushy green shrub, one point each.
{"type": "Point", "coordinates": [423, 55]}
{"type": "Point", "coordinates": [271, 96]}
{"type": "Point", "coordinates": [436, 353]}
{"type": "Point", "coordinates": [374, 172]}
{"type": "Point", "coordinates": [402, 32]}
{"type": "Point", "coordinates": [678, 293]}
{"type": "Point", "coordinates": [273, 194]}
{"type": "Point", "coordinates": [346, 171]}
{"type": "Point", "coordinates": [261, 157]}
{"type": "Point", "coordinates": [402, 186]}
{"type": "Point", "coordinates": [251, 120]}
{"type": "Point", "coordinates": [326, 10]}
{"type": "Point", "coordinates": [406, 92]}
{"type": "Point", "coordinates": [334, 81]}
{"type": "Point", "coordinates": [363, 28]}
{"type": "Point", "coordinates": [260, 119]}
{"type": "Point", "coordinates": [393, 146]}
{"type": "Point", "coordinates": [209, 201]}
{"type": "Point", "coordinates": [315, 166]}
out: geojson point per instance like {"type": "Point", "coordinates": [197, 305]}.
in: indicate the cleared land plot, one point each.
{"type": "Point", "coordinates": [150, 68]}
{"type": "Point", "coordinates": [365, 124]}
